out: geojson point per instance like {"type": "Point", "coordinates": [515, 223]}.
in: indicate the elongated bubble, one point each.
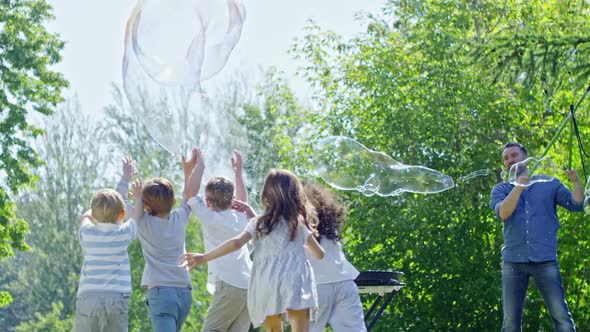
{"type": "Point", "coordinates": [348, 165]}
{"type": "Point", "coordinates": [475, 174]}
{"type": "Point", "coordinates": [531, 171]}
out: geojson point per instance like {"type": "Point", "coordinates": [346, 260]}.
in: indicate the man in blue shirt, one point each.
{"type": "Point", "coordinates": [530, 240]}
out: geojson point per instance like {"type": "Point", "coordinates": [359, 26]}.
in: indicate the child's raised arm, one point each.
{"type": "Point", "coordinates": [129, 171]}
{"type": "Point", "coordinates": [136, 192]}
{"type": "Point", "coordinates": [313, 247]}
{"type": "Point", "coordinates": [188, 167]}
{"type": "Point", "coordinates": [196, 175]}
{"type": "Point", "coordinates": [191, 260]}
{"type": "Point", "coordinates": [237, 164]}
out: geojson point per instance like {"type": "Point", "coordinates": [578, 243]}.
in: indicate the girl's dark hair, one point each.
{"type": "Point", "coordinates": [282, 196]}
{"type": "Point", "coordinates": [330, 212]}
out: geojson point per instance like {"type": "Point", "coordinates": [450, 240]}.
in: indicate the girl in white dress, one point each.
{"type": "Point", "coordinates": [282, 281]}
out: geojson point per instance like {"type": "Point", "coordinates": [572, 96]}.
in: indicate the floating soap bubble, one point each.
{"type": "Point", "coordinates": [532, 170]}
{"type": "Point", "coordinates": [177, 118]}
{"type": "Point", "coordinates": [167, 39]}
{"type": "Point", "coordinates": [166, 112]}
{"type": "Point", "coordinates": [170, 47]}
{"type": "Point", "coordinates": [475, 174]}
{"type": "Point", "coordinates": [182, 42]}
{"type": "Point", "coordinates": [348, 165]}
{"type": "Point", "coordinates": [223, 22]}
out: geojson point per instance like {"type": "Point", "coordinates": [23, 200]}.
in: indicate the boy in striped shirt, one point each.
{"type": "Point", "coordinates": [105, 279]}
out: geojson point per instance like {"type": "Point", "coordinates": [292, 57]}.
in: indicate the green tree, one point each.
{"type": "Point", "coordinates": [74, 169]}
{"type": "Point", "coordinates": [51, 322]}
{"type": "Point", "coordinates": [276, 130]}
{"type": "Point", "coordinates": [415, 86]}
{"type": "Point", "coordinates": [541, 51]}
{"type": "Point", "coordinates": [27, 51]}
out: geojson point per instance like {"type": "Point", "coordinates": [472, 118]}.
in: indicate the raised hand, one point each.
{"type": "Point", "coordinates": [129, 169]}
{"type": "Point", "coordinates": [193, 173]}
{"type": "Point", "coordinates": [243, 207]}
{"type": "Point", "coordinates": [136, 188]}
{"type": "Point", "coordinates": [200, 165]}
{"type": "Point", "coordinates": [188, 165]}
{"type": "Point", "coordinates": [237, 162]}
{"type": "Point", "coordinates": [136, 193]}
{"type": "Point", "coordinates": [572, 175]}
{"type": "Point", "coordinates": [191, 260]}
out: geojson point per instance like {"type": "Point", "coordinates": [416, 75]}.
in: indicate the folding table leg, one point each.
{"type": "Point", "coordinates": [373, 306]}
{"type": "Point", "coordinates": [388, 299]}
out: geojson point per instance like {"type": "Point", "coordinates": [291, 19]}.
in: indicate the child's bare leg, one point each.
{"type": "Point", "coordinates": [273, 323]}
{"type": "Point", "coordinates": [299, 320]}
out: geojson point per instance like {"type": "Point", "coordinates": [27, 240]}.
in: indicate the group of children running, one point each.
{"type": "Point", "coordinates": [297, 272]}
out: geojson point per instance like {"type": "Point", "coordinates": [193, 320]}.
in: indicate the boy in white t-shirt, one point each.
{"type": "Point", "coordinates": [228, 276]}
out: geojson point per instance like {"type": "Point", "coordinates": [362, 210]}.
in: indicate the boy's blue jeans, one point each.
{"type": "Point", "coordinates": [515, 282]}
{"type": "Point", "coordinates": [169, 307]}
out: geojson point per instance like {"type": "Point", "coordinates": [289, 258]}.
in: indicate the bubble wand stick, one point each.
{"type": "Point", "coordinates": [560, 129]}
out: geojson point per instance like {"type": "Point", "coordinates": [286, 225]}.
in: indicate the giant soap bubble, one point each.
{"type": "Point", "coordinates": [534, 170]}
{"type": "Point", "coordinates": [182, 42]}
{"type": "Point", "coordinates": [171, 46]}
{"type": "Point", "coordinates": [348, 165]}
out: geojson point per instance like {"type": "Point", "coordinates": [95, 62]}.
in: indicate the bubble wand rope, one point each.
{"type": "Point", "coordinates": [561, 127]}
{"type": "Point", "coordinates": [581, 149]}
{"type": "Point", "coordinates": [570, 145]}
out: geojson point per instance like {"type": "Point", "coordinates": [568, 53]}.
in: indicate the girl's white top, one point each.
{"type": "Point", "coordinates": [334, 267]}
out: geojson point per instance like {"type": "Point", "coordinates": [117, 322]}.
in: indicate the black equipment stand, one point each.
{"type": "Point", "coordinates": [384, 283]}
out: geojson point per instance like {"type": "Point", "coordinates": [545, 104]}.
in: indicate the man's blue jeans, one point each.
{"type": "Point", "coordinates": [169, 307]}
{"type": "Point", "coordinates": [515, 282]}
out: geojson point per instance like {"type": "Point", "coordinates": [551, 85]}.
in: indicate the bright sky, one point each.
{"type": "Point", "coordinates": [94, 32]}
